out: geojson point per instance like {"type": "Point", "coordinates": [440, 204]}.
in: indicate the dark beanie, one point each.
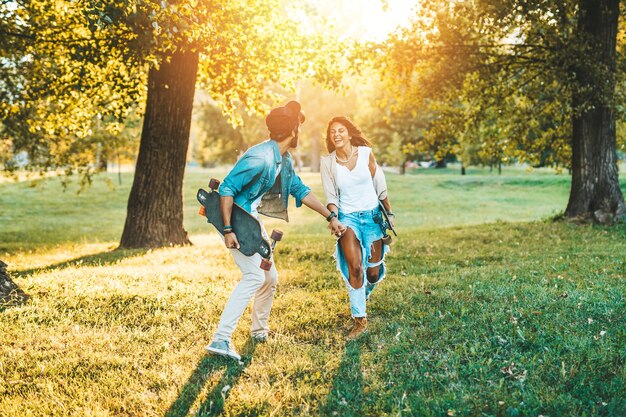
{"type": "Point", "coordinates": [283, 120]}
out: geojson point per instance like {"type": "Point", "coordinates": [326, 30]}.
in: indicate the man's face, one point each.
{"type": "Point", "coordinates": [294, 141]}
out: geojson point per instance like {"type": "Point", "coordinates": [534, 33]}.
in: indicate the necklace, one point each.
{"type": "Point", "coordinates": [345, 161]}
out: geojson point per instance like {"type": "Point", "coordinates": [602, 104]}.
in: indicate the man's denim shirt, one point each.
{"type": "Point", "coordinates": [255, 175]}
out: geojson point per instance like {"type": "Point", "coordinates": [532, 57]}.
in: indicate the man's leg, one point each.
{"type": "Point", "coordinates": [253, 277]}
{"type": "Point", "coordinates": [263, 305]}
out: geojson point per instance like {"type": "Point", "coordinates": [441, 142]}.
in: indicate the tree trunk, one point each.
{"type": "Point", "coordinates": [154, 216]}
{"type": "Point", "coordinates": [595, 192]}
{"type": "Point", "coordinates": [10, 294]}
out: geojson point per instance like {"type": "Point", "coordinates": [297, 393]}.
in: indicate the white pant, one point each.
{"type": "Point", "coordinates": [254, 282]}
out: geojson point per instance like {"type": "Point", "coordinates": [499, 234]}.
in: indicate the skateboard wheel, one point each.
{"type": "Point", "coordinates": [387, 240]}
{"type": "Point", "coordinates": [214, 184]}
{"type": "Point", "coordinates": [266, 265]}
{"type": "Point", "coordinates": [276, 235]}
{"type": "Point", "coordinates": [202, 211]}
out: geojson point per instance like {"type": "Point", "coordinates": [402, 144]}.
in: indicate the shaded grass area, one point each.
{"type": "Point", "coordinates": [498, 319]}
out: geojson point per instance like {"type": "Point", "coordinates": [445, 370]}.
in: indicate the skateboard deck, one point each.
{"type": "Point", "coordinates": [245, 226]}
{"type": "Point", "coordinates": [386, 225]}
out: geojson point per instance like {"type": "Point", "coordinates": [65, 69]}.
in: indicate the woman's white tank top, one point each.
{"type": "Point", "coordinates": [356, 188]}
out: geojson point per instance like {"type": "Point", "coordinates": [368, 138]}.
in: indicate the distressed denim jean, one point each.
{"type": "Point", "coordinates": [366, 226]}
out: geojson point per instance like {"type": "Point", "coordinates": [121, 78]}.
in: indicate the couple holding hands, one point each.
{"type": "Point", "coordinates": [262, 181]}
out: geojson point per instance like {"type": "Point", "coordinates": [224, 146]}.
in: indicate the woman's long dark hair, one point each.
{"type": "Point", "coordinates": [358, 139]}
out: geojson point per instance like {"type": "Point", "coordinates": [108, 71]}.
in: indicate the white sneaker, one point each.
{"type": "Point", "coordinates": [223, 348]}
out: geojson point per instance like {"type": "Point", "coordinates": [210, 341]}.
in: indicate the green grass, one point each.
{"type": "Point", "coordinates": [488, 310]}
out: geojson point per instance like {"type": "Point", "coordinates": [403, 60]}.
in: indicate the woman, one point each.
{"type": "Point", "coordinates": [354, 185]}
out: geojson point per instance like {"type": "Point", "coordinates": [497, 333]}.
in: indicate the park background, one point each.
{"type": "Point", "coordinates": [500, 125]}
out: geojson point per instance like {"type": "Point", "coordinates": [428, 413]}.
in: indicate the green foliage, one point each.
{"type": "Point", "coordinates": [71, 82]}
{"type": "Point", "coordinates": [219, 141]}
{"type": "Point", "coordinates": [498, 77]}
{"type": "Point", "coordinates": [70, 64]}
{"type": "Point", "coordinates": [321, 104]}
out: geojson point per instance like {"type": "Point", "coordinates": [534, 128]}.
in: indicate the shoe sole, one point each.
{"type": "Point", "coordinates": [358, 335]}
{"type": "Point", "coordinates": [223, 353]}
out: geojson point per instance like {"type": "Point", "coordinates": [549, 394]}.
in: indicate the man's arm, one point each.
{"type": "Point", "coordinates": [314, 204]}
{"type": "Point", "coordinates": [226, 208]}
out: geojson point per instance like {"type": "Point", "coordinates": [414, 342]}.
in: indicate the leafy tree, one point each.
{"type": "Point", "coordinates": [536, 80]}
{"type": "Point", "coordinates": [219, 141]}
{"type": "Point", "coordinates": [87, 58]}
{"type": "Point", "coordinates": [58, 81]}
{"type": "Point", "coordinates": [320, 105]}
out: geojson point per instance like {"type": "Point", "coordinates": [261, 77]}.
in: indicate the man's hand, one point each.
{"type": "Point", "coordinates": [336, 227]}
{"type": "Point", "coordinates": [230, 240]}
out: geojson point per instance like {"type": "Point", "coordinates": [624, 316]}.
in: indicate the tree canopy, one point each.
{"type": "Point", "coordinates": [514, 78]}
{"type": "Point", "coordinates": [67, 66]}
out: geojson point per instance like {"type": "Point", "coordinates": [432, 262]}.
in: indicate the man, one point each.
{"type": "Point", "coordinates": [261, 182]}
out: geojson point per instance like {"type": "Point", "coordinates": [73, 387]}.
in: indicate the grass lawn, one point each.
{"type": "Point", "coordinates": [488, 309]}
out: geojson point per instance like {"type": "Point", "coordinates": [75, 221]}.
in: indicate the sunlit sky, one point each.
{"type": "Point", "coordinates": [366, 19]}
{"type": "Point", "coordinates": [379, 23]}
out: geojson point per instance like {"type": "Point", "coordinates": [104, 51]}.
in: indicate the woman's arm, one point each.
{"type": "Point", "coordinates": [372, 164]}
{"type": "Point", "coordinates": [334, 225]}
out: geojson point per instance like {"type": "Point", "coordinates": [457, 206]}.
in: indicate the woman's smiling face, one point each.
{"type": "Point", "coordinates": [339, 135]}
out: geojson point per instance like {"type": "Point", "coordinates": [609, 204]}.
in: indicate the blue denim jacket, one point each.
{"type": "Point", "coordinates": [254, 175]}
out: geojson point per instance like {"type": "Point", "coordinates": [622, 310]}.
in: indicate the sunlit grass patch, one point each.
{"type": "Point", "coordinates": [498, 319]}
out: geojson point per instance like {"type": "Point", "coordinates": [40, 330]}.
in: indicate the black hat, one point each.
{"type": "Point", "coordinates": [283, 120]}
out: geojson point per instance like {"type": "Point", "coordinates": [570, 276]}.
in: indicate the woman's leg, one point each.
{"type": "Point", "coordinates": [375, 257]}
{"type": "Point", "coordinates": [351, 248]}
{"type": "Point", "coordinates": [350, 251]}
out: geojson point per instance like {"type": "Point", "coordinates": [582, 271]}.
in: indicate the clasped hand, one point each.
{"type": "Point", "coordinates": [336, 227]}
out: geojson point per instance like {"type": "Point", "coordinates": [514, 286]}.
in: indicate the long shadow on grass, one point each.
{"type": "Point", "coordinates": [96, 259]}
{"type": "Point", "coordinates": [209, 365]}
{"type": "Point", "coordinates": [346, 397]}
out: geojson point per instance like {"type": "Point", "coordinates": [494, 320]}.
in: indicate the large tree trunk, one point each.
{"type": "Point", "coordinates": [595, 192]}
{"type": "Point", "coordinates": [155, 207]}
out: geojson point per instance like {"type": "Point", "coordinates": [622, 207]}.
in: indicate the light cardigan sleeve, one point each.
{"type": "Point", "coordinates": [328, 180]}
{"type": "Point", "coordinates": [380, 183]}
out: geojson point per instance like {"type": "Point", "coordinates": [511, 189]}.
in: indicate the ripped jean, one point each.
{"type": "Point", "coordinates": [365, 225]}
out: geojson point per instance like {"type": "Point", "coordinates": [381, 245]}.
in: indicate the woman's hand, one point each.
{"type": "Point", "coordinates": [336, 227]}
{"type": "Point", "coordinates": [230, 240]}
{"type": "Point", "coordinates": [392, 220]}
